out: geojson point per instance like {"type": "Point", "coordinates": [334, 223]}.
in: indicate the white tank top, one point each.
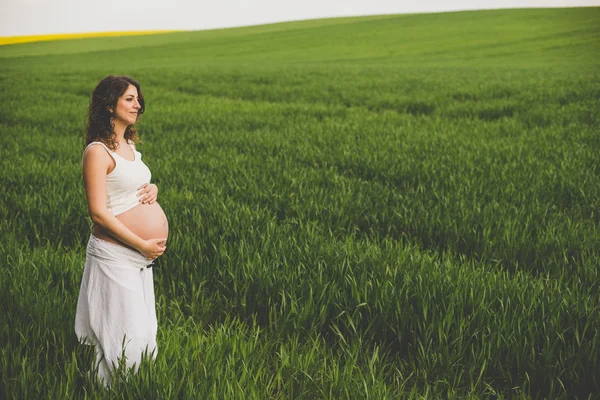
{"type": "Point", "coordinates": [123, 182]}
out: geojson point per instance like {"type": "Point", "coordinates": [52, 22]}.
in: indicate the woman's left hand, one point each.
{"type": "Point", "coordinates": [149, 193]}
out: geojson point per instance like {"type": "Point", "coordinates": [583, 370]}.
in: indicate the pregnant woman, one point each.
{"type": "Point", "coordinates": [115, 310]}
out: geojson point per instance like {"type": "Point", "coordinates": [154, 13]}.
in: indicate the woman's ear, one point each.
{"type": "Point", "coordinates": [110, 109]}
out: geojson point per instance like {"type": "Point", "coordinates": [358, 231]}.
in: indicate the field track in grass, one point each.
{"type": "Point", "coordinates": [400, 206]}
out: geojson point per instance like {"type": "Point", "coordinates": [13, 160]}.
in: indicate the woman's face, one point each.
{"type": "Point", "coordinates": [128, 106]}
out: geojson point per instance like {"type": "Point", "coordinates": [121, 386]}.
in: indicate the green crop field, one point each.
{"type": "Point", "coordinates": [390, 207]}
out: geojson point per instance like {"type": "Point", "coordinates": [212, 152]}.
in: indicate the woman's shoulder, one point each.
{"type": "Point", "coordinates": [101, 144]}
{"type": "Point", "coordinates": [97, 151]}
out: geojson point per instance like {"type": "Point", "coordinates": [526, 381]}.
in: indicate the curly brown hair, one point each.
{"type": "Point", "coordinates": [100, 127]}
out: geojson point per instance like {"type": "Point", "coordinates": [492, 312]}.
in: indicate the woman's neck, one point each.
{"type": "Point", "coordinates": [119, 130]}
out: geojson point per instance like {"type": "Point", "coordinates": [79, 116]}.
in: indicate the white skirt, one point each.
{"type": "Point", "coordinates": [115, 310]}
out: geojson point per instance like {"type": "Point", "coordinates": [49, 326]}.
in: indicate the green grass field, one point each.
{"type": "Point", "coordinates": [360, 208]}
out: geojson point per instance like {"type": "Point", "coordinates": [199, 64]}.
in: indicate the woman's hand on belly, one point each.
{"type": "Point", "coordinates": [148, 193]}
{"type": "Point", "coordinates": [154, 248]}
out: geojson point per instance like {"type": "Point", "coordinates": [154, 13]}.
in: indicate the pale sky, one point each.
{"type": "Point", "coordinates": [39, 17]}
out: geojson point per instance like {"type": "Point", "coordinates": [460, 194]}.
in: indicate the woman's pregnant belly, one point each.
{"type": "Point", "coordinates": [148, 221]}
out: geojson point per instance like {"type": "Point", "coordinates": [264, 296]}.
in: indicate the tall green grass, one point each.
{"type": "Point", "coordinates": [381, 207]}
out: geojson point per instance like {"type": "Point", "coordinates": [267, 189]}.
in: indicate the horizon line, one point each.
{"type": "Point", "coordinates": [8, 40]}
{"type": "Point", "coordinates": [20, 39]}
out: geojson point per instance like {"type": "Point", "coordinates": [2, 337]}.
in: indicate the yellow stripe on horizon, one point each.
{"type": "Point", "coordinates": [4, 40]}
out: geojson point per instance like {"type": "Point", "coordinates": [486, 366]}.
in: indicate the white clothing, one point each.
{"type": "Point", "coordinates": [115, 310]}
{"type": "Point", "coordinates": [123, 182]}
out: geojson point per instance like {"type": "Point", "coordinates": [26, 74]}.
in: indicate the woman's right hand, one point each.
{"type": "Point", "coordinates": [153, 248]}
